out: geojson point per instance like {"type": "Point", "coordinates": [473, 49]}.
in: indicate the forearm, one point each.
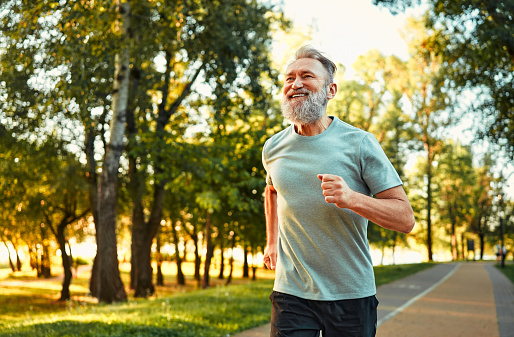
{"type": "Point", "coordinates": [270, 209]}
{"type": "Point", "coordinates": [388, 211]}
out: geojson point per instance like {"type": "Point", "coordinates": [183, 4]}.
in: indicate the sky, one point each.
{"type": "Point", "coordinates": [345, 29]}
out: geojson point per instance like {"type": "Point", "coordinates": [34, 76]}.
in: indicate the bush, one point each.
{"type": "Point", "coordinates": [79, 261]}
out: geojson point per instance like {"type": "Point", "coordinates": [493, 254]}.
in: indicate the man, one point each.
{"type": "Point", "coordinates": [322, 174]}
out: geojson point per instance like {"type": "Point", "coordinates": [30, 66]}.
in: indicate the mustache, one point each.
{"type": "Point", "coordinates": [298, 91]}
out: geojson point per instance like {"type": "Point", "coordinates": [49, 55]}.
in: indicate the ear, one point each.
{"type": "Point", "coordinates": [332, 90]}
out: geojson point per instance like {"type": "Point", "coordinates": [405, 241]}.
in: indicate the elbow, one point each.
{"type": "Point", "coordinates": [408, 225]}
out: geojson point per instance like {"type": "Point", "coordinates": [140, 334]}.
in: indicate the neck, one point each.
{"type": "Point", "coordinates": [315, 128]}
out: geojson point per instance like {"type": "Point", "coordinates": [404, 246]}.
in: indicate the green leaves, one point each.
{"type": "Point", "coordinates": [209, 200]}
{"type": "Point", "coordinates": [475, 40]}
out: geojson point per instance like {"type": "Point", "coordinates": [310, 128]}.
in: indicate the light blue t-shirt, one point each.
{"type": "Point", "coordinates": [323, 251]}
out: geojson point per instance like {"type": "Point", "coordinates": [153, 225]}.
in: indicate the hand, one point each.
{"type": "Point", "coordinates": [336, 191]}
{"type": "Point", "coordinates": [270, 257]}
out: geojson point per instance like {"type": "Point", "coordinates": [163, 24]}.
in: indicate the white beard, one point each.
{"type": "Point", "coordinates": [307, 112]}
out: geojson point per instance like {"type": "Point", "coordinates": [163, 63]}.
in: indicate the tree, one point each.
{"type": "Point", "coordinates": [63, 202]}
{"type": "Point", "coordinates": [429, 103]}
{"type": "Point", "coordinates": [476, 44]}
{"type": "Point", "coordinates": [456, 179]}
{"type": "Point", "coordinates": [225, 45]}
{"type": "Point", "coordinates": [482, 205]}
{"type": "Point", "coordinates": [60, 79]}
{"type": "Point", "coordinates": [109, 285]}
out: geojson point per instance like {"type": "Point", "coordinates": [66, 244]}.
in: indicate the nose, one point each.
{"type": "Point", "coordinates": [297, 83]}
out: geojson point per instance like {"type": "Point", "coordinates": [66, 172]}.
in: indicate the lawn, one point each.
{"type": "Point", "coordinates": [508, 270]}
{"type": "Point", "coordinates": [28, 307]}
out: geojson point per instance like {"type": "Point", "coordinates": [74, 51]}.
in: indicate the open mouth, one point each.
{"type": "Point", "coordinates": [298, 95]}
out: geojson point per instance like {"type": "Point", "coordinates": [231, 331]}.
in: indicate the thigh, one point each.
{"type": "Point", "coordinates": [351, 318]}
{"type": "Point", "coordinates": [292, 316]}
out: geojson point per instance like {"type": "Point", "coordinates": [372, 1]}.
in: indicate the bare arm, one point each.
{"type": "Point", "coordinates": [390, 209]}
{"type": "Point", "coordinates": [270, 209]}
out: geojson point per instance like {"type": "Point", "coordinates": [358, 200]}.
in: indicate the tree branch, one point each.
{"type": "Point", "coordinates": [165, 115]}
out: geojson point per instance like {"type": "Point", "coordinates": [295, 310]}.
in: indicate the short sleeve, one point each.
{"type": "Point", "coordinates": [377, 170]}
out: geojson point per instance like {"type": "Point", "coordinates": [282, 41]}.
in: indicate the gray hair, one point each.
{"type": "Point", "coordinates": [310, 52]}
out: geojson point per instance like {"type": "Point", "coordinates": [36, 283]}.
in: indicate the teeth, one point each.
{"type": "Point", "coordinates": [298, 95]}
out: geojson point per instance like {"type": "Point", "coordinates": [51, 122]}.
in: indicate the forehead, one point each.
{"type": "Point", "coordinates": [306, 65]}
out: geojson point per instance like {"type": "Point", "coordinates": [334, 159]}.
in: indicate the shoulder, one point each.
{"type": "Point", "coordinates": [277, 138]}
{"type": "Point", "coordinates": [351, 133]}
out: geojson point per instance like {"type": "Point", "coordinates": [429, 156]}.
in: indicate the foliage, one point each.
{"type": "Point", "coordinates": [454, 179]}
{"type": "Point", "coordinates": [199, 52]}
{"type": "Point", "coordinates": [476, 41]}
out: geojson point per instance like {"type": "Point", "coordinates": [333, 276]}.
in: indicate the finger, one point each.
{"type": "Point", "coordinates": [327, 193]}
{"type": "Point", "coordinates": [270, 265]}
{"type": "Point", "coordinates": [330, 199]}
{"type": "Point", "coordinates": [327, 177]}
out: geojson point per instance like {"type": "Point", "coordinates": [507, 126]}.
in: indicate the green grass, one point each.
{"type": "Point", "coordinates": [213, 312]}
{"type": "Point", "coordinates": [29, 308]}
{"type": "Point", "coordinates": [386, 274]}
{"type": "Point", "coordinates": [508, 270]}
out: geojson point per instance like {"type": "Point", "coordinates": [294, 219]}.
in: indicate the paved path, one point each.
{"type": "Point", "coordinates": [458, 299]}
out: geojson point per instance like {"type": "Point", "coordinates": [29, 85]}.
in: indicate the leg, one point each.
{"type": "Point", "coordinates": [351, 318]}
{"type": "Point", "coordinates": [292, 316]}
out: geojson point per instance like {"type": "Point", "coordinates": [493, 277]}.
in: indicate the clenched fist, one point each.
{"type": "Point", "coordinates": [336, 191]}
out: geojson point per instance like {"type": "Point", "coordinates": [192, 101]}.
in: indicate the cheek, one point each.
{"type": "Point", "coordinates": [285, 89]}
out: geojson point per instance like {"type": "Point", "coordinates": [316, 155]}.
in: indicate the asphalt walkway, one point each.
{"type": "Point", "coordinates": [456, 299]}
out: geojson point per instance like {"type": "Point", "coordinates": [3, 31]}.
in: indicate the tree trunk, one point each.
{"type": "Point", "coordinates": [141, 259]}
{"type": "Point", "coordinates": [246, 271]}
{"type": "Point", "coordinates": [180, 275]}
{"type": "Point", "coordinates": [11, 264]}
{"type": "Point", "coordinates": [143, 233]}
{"type": "Point", "coordinates": [110, 286]}
{"type": "Point", "coordinates": [222, 264]}
{"type": "Point", "coordinates": [66, 264]}
{"type": "Point", "coordinates": [208, 255]}
{"type": "Point", "coordinates": [92, 179]}
{"type": "Point", "coordinates": [429, 203]}
{"type": "Point", "coordinates": [454, 243]}
{"type": "Point", "coordinates": [46, 269]}
{"type": "Point", "coordinates": [141, 272]}
{"type": "Point", "coordinates": [481, 236]}
{"type": "Point", "coordinates": [462, 247]}
{"type": "Point", "coordinates": [231, 262]}
{"type": "Point", "coordinates": [198, 260]}
{"type": "Point", "coordinates": [93, 284]}
{"type": "Point", "coordinates": [254, 267]}
{"type": "Point", "coordinates": [158, 258]}
{"type": "Point", "coordinates": [18, 260]}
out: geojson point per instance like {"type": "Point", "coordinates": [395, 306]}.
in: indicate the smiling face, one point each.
{"type": "Point", "coordinates": [305, 92]}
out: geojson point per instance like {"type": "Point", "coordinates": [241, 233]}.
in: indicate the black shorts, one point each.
{"type": "Point", "coordinates": [292, 316]}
